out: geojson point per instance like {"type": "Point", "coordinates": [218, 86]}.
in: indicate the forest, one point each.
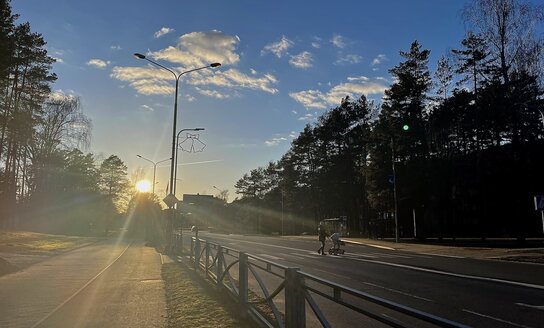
{"type": "Point", "coordinates": [48, 182]}
{"type": "Point", "coordinates": [455, 152]}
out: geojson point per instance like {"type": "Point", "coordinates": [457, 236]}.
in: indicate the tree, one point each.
{"type": "Point", "coordinates": [510, 28]}
{"type": "Point", "coordinates": [444, 76]}
{"type": "Point", "coordinates": [114, 182]}
{"type": "Point", "coordinates": [471, 60]}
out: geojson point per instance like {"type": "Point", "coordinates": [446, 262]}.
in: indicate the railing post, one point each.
{"type": "Point", "coordinates": [207, 245]}
{"type": "Point", "coordinates": [219, 272]}
{"type": "Point", "coordinates": [197, 254]}
{"type": "Point", "coordinates": [295, 305]}
{"type": "Point", "coordinates": [242, 280]}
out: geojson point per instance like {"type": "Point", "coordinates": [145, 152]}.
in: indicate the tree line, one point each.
{"type": "Point", "coordinates": [47, 181]}
{"type": "Point", "coordinates": [467, 142]}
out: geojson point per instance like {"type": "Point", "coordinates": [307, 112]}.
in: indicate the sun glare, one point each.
{"type": "Point", "coordinates": [143, 186]}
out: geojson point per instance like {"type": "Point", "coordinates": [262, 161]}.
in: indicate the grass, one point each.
{"type": "Point", "coordinates": [25, 242]}
{"type": "Point", "coordinates": [192, 304]}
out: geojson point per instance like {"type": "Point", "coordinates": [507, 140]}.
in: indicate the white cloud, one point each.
{"type": "Point", "coordinates": [278, 48]}
{"type": "Point", "coordinates": [233, 78]}
{"type": "Point", "coordinates": [354, 88]}
{"type": "Point", "coordinates": [115, 47]}
{"type": "Point", "coordinates": [198, 49]}
{"type": "Point", "coordinates": [163, 31]}
{"type": "Point", "coordinates": [190, 98]}
{"type": "Point", "coordinates": [307, 117]}
{"type": "Point", "coordinates": [147, 108]}
{"type": "Point", "coordinates": [294, 112]}
{"type": "Point", "coordinates": [273, 142]}
{"type": "Point", "coordinates": [302, 60]}
{"type": "Point", "coordinates": [316, 45]}
{"type": "Point", "coordinates": [212, 93]}
{"type": "Point", "coordinates": [359, 78]}
{"type": "Point", "coordinates": [60, 94]}
{"type": "Point", "coordinates": [254, 72]}
{"type": "Point", "coordinates": [348, 59]}
{"type": "Point", "coordinates": [98, 63]}
{"type": "Point", "coordinates": [193, 50]}
{"type": "Point", "coordinates": [338, 41]}
{"type": "Point", "coordinates": [378, 60]}
{"type": "Point", "coordinates": [58, 60]}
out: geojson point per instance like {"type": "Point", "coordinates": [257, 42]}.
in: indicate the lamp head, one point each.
{"type": "Point", "coordinates": [215, 64]}
{"type": "Point", "coordinates": [139, 56]}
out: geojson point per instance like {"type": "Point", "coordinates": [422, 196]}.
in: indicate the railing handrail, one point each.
{"type": "Point", "coordinates": [337, 290]}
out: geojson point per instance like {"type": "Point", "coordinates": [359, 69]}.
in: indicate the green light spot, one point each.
{"type": "Point", "coordinates": [406, 127]}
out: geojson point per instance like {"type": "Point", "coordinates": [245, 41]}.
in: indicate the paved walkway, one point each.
{"type": "Point", "coordinates": [109, 284]}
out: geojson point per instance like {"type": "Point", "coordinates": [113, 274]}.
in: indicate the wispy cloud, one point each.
{"type": "Point", "coordinates": [192, 50]}
{"type": "Point", "coordinates": [163, 31]}
{"type": "Point", "coordinates": [302, 60]}
{"type": "Point", "coordinates": [115, 47]}
{"type": "Point", "coordinates": [348, 59]}
{"type": "Point", "coordinates": [60, 94]}
{"type": "Point", "coordinates": [307, 117]}
{"type": "Point", "coordinates": [58, 60]}
{"type": "Point", "coordinates": [147, 108]}
{"type": "Point", "coordinates": [338, 41]}
{"type": "Point", "coordinates": [278, 48]}
{"type": "Point", "coordinates": [359, 78]}
{"type": "Point", "coordinates": [378, 60]}
{"type": "Point", "coordinates": [354, 88]}
{"type": "Point", "coordinates": [212, 93]}
{"type": "Point", "coordinates": [98, 63]}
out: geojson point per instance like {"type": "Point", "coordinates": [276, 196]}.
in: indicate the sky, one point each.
{"type": "Point", "coordinates": [284, 63]}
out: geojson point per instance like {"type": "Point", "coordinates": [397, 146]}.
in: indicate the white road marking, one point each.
{"type": "Point", "coordinates": [451, 274]}
{"type": "Point", "coordinates": [538, 307]}
{"type": "Point", "coordinates": [270, 256]}
{"type": "Point", "coordinates": [496, 319]}
{"type": "Point", "coordinates": [79, 290]}
{"type": "Point", "coordinates": [445, 273]}
{"type": "Point", "coordinates": [397, 291]}
{"type": "Point", "coordinates": [307, 255]}
{"type": "Point", "coordinates": [442, 255]}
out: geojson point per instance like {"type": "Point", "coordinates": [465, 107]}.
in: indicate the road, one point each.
{"type": "Point", "coordinates": [477, 293]}
{"type": "Point", "coordinates": [109, 284]}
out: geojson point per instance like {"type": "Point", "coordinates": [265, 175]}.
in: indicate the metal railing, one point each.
{"type": "Point", "coordinates": [298, 290]}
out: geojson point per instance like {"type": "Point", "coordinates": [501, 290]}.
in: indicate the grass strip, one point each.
{"type": "Point", "coordinates": [25, 242]}
{"type": "Point", "coordinates": [190, 303]}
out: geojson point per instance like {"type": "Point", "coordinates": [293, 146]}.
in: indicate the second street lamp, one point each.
{"type": "Point", "coordinates": [154, 168]}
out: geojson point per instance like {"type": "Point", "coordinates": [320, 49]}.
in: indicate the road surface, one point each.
{"type": "Point", "coordinates": [477, 293]}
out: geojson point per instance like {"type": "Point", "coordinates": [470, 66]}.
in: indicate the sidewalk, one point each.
{"type": "Point", "coordinates": [493, 249]}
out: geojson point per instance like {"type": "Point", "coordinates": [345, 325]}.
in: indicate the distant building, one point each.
{"type": "Point", "coordinates": [204, 211]}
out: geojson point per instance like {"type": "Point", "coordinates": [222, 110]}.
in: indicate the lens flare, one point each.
{"type": "Point", "coordinates": [143, 186]}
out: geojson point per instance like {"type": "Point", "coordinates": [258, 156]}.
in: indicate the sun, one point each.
{"type": "Point", "coordinates": [143, 186]}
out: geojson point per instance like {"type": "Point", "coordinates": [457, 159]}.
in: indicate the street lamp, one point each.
{"type": "Point", "coordinates": [177, 77]}
{"type": "Point", "coordinates": [172, 165]}
{"type": "Point", "coordinates": [154, 168]}
{"type": "Point", "coordinates": [177, 151]}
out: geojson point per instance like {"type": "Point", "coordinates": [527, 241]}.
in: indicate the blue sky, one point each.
{"type": "Point", "coordinates": [284, 64]}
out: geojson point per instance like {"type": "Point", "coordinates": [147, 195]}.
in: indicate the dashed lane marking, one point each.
{"type": "Point", "coordinates": [496, 319]}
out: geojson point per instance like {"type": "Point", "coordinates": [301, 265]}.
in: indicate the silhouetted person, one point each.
{"type": "Point", "coordinates": [322, 234]}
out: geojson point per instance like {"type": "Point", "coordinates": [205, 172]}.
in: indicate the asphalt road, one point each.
{"type": "Point", "coordinates": [109, 284]}
{"type": "Point", "coordinates": [477, 293]}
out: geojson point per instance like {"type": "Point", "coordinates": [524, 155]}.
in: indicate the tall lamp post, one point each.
{"type": "Point", "coordinates": [154, 168]}
{"type": "Point", "coordinates": [172, 165]}
{"type": "Point", "coordinates": [177, 151]}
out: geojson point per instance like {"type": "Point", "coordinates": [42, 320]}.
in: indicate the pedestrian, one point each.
{"type": "Point", "coordinates": [322, 234]}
